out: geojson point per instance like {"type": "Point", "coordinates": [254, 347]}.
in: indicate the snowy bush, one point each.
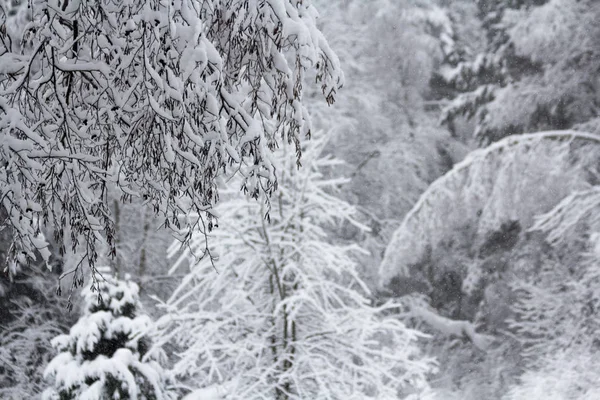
{"type": "Point", "coordinates": [102, 356]}
{"type": "Point", "coordinates": [570, 374]}
{"type": "Point", "coordinates": [556, 317]}
{"type": "Point", "coordinates": [31, 315]}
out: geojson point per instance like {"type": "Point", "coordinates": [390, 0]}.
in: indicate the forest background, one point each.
{"type": "Point", "coordinates": [469, 134]}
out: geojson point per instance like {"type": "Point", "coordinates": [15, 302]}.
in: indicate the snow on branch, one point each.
{"type": "Point", "coordinates": [452, 327]}
{"type": "Point", "coordinates": [560, 222]}
{"type": "Point", "coordinates": [511, 180]}
{"type": "Point", "coordinates": [157, 98]}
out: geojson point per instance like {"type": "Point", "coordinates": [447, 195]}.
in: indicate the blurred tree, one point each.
{"type": "Point", "coordinates": [531, 76]}
{"type": "Point", "coordinates": [521, 272]}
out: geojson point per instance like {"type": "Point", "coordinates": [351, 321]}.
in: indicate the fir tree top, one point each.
{"type": "Point", "coordinates": [101, 357]}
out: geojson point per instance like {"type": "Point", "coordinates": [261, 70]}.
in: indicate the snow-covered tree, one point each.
{"type": "Point", "coordinates": [538, 72]}
{"type": "Point", "coordinates": [508, 182]}
{"type": "Point", "coordinates": [491, 244]}
{"type": "Point", "coordinates": [102, 357]}
{"type": "Point", "coordinates": [157, 98]}
{"type": "Point", "coordinates": [556, 317]}
{"type": "Point", "coordinates": [281, 312]}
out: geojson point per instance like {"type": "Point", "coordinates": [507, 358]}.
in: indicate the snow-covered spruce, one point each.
{"type": "Point", "coordinates": [101, 357]}
{"type": "Point", "coordinates": [284, 315]}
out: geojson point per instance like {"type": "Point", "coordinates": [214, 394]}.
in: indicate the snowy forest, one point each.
{"type": "Point", "coordinates": [300, 199]}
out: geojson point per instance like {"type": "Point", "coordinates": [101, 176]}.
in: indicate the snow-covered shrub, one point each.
{"type": "Point", "coordinates": [31, 315]}
{"type": "Point", "coordinates": [559, 302]}
{"type": "Point", "coordinates": [280, 312]}
{"type": "Point", "coordinates": [570, 374]}
{"type": "Point", "coordinates": [102, 357]}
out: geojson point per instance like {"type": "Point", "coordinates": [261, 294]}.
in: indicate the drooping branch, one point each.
{"type": "Point", "coordinates": [450, 327]}
{"type": "Point", "coordinates": [222, 87]}
{"type": "Point", "coordinates": [489, 188]}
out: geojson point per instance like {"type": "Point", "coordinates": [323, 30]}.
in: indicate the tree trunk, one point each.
{"type": "Point", "coordinates": [143, 256]}
{"type": "Point", "coordinates": [115, 261]}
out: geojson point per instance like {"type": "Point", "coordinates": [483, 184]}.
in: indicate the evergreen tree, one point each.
{"type": "Point", "coordinates": [102, 357]}
{"type": "Point", "coordinates": [538, 71]}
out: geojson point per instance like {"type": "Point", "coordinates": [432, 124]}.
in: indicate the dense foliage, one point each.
{"type": "Point", "coordinates": [156, 99]}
